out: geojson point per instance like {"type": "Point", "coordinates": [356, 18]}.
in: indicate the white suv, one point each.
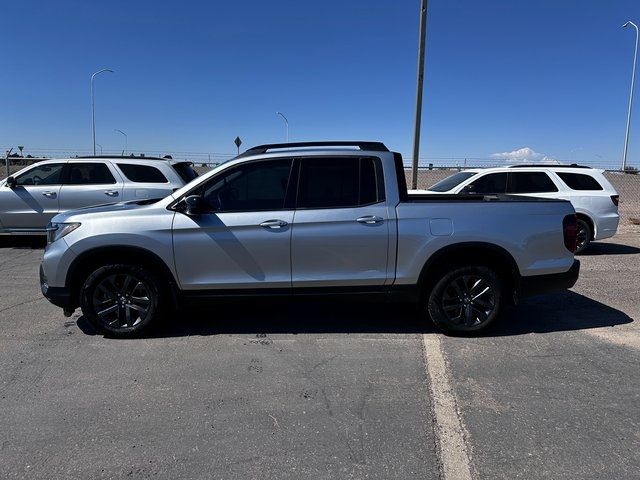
{"type": "Point", "coordinates": [590, 193]}
{"type": "Point", "coordinates": [35, 194]}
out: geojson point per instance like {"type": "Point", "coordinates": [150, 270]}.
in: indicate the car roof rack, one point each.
{"type": "Point", "coordinates": [550, 165]}
{"type": "Point", "coordinates": [371, 146]}
{"type": "Point", "coordinates": [123, 157]}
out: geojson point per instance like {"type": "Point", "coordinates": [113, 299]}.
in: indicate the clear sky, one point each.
{"type": "Point", "coordinates": [548, 75]}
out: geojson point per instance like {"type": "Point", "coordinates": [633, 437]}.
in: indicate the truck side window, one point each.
{"type": "Point", "coordinates": [492, 183]}
{"type": "Point", "coordinates": [255, 186]}
{"type": "Point", "coordinates": [339, 182]}
{"type": "Point", "coordinates": [530, 182]}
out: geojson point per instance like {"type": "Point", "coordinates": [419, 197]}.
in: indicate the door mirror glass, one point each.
{"type": "Point", "coordinates": [194, 205]}
{"type": "Point", "coordinates": [11, 182]}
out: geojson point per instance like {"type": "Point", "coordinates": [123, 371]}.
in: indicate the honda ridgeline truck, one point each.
{"type": "Point", "coordinates": [308, 218]}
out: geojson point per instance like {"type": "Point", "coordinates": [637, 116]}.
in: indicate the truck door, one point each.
{"type": "Point", "coordinates": [243, 240]}
{"type": "Point", "coordinates": [340, 228]}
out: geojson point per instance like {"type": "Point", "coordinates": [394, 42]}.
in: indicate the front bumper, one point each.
{"type": "Point", "coordinates": [540, 284]}
{"type": "Point", "coordinates": [59, 296]}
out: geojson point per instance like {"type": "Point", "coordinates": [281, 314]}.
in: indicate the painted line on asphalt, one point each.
{"type": "Point", "coordinates": [450, 433]}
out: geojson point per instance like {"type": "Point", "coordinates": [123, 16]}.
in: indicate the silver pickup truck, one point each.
{"type": "Point", "coordinates": [308, 218]}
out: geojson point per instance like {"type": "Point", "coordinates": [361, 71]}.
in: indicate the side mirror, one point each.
{"type": "Point", "coordinates": [11, 182]}
{"type": "Point", "coordinates": [469, 189]}
{"type": "Point", "coordinates": [195, 205]}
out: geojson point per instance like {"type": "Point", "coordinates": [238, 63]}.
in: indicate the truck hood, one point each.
{"type": "Point", "coordinates": [104, 208]}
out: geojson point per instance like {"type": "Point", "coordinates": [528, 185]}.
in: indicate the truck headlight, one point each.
{"type": "Point", "coordinates": [55, 231]}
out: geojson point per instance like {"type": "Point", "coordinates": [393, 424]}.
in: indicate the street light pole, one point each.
{"type": "Point", "coordinates": [93, 107]}
{"type": "Point", "coordinates": [633, 80]}
{"type": "Point", "coordinates": [416, 133]}
{"type": "Point", "coordinates": [286, 123]}
{"type": "Point", "coordinates": [126, 139]}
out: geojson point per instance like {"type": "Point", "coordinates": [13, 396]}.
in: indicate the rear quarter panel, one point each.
{"type": "Point", "coordinates": [530, 231]}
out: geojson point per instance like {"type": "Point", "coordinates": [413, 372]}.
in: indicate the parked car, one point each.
{"type": "Point", "coordinates": [593, 197]}
{"type": "Point", "coordinates": [308, 218]}
{"type": "Point", "coordinates": [32, 196]}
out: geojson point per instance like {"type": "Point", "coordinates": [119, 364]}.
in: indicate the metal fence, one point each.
{"type": "Point", "coordinates": [430, 171]}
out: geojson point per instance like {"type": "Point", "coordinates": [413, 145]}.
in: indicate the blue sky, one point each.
{"type": "Point", "coordinates": [551, 76]}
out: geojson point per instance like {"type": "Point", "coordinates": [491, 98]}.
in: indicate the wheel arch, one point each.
{"type": "Point", "coordinates": [92, 259]}
{"type": "Point", "coordinates": [470, 253]}
{"type": "Point", "coordinates": [592, 225]}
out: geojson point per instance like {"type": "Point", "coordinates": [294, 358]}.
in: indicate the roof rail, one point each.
{"type": "Point", "coordinates": [372, 146]}
{"type": "Point", "coordinates": [550, 165]}
{"type": "Point", "coordinates": [122, 157]}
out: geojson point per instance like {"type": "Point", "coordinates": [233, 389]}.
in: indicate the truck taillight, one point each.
{"type": "Point", "coordinates": [615, 199]}
{"type": "Point", "coordinates": [569, 231]}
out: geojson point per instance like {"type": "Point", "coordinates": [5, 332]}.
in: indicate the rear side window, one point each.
{"type": "Point", "coordinates": [579, 181]}
{"type": "Point", "coordinates": [88, 174]}
{"type": "Point", "coordinates": [530, 182]}
{"type": "Point", "coordinates": [142, 173]}
{"type": "Point", "coordinates": [339, 182]}
{"type": "Point", "coordinates": [491, 183]}
{"type": "Point", "coordinates": [49, 174]}
{"type": "Point", "coordinates": [186, 171]}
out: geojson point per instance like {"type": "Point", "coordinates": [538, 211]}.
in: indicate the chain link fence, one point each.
{"type": "Point", "coordinates": [431, 170]}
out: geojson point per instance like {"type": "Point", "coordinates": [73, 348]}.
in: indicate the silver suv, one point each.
{"type": "Point", "coordinates": [35, 194]}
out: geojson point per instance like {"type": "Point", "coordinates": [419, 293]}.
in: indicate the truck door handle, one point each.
{"type": "Point", "coordinates": [274, 224]}
{"type": "Point", "coordinates": [369, 219]}
{"type": "Point", "coordinates": [111, 193]}
{"type": "Point", "coordinates": [49, 194]}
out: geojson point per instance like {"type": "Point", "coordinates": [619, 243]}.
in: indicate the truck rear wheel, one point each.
{"type": "Point", "coordinates": [466, 300]}
{"type": "Point", "coordinates": [121, 300]}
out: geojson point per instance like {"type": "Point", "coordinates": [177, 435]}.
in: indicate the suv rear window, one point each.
{"type": "Point", "coordinates": [579, 181]}
{"type": "Point", "coordinates": [339, 182]}
{"type": "Point", "coordinates": [530, 182]}
{"type": "Point", "coordinates": [142, 173]}
{"type": "Point", "coordinates": [186, 171]}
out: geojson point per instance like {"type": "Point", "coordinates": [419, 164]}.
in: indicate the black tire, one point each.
{"type": "Point", "coordinates": [583, 236]}
{"type": "Point", "coordinates": [122, 300]}
{"type": "Point", "coordinates": [466, 300]}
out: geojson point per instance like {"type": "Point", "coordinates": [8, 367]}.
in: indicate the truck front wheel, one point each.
{"type": "Point", "coordinates": [466, 300]}
{"type": "Point", "coordinates": [121, 300]}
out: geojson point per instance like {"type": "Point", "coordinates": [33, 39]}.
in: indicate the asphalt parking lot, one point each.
{"type": "Point", "coordinates": [325, 389]}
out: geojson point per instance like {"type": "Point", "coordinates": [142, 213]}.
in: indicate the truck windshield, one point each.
{"type": "Point", "coordinates": [453, 181]}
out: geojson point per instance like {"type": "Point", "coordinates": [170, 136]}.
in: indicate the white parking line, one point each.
{"type": "Point", "coordinates": [450, 433]}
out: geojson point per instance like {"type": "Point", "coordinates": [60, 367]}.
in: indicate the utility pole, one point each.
{"type": "Point", "coordinates": [633, 81]}
{"type": "Point", "coordinates": [6, 157]}
{"type": "Point", "coordinates": [416, 133]}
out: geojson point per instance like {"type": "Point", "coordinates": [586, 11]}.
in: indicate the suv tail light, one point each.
{"type": "Point", "coordinates": [615, 199]}
{"type": "Point", "coordinates": [569, 231]}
